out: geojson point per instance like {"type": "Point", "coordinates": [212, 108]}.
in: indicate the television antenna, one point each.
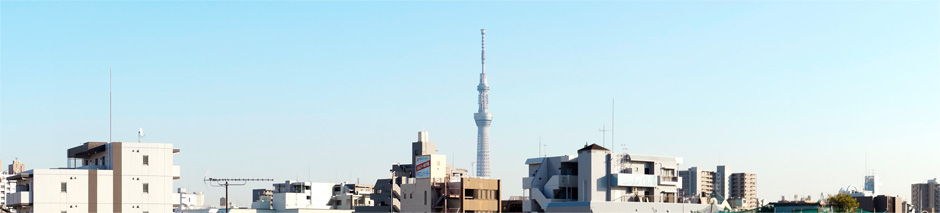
{"type": "Point", "coordinates": [604, 131]}
{"type": "Point", "coordinates": [226, 182]}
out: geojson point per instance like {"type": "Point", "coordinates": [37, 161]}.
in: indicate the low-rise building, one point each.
{"type": "Point", "coordinates": [880, 203]}
{"type": "Point", "coordinates": [8, 186]}
{"type": "Point", "coordinates": [189, 200]}
{"type": "Point", "coordinates": [513, 204]}
{"type": "Point", "coordinates": [801, 206]}
{"type": "Point", "coordinates": [350, 196]}
{"type": "Point", "coordinates": [429, 184]}
{"type": "Point", "coordinates": [598, 180]}
{"type": "Point", "coordinates": [295, 196]}
{"type": "Point", "coordinates": [102, 177]}
{"type": "Point", "coordinates": [301, 195]}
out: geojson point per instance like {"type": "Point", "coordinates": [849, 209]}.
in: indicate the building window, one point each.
{"type": "Point", "coordinates": [425, 197]}
{"type": "Point", "coordinates": [146, 188]}
{"type": "Point", "coordinates": [64, 186]}
{"type": "Point", "coordinates": [146, 160]}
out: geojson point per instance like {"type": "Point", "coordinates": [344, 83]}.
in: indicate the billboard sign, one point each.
{"type": "Point", "coordinates": [423, 166]}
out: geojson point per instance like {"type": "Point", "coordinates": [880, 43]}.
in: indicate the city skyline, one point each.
{"type": "Point", "coordinates": [778, 89]}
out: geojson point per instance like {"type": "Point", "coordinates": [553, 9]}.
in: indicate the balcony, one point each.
{"type": "Point", "coordinates": [18, 199]}
{"type": "Point", "coordinates": [558, 181]}
{"type": "Point", "coordinates": [396, 190]}
{"type": "Point", "coordinates": [669, 180]}
{"type": "Point", "coordinates": [527, 182]}
{"type": "Point", "coordinates": [176, 172]}
{"type": "Point", "coordinates": [634, 180]}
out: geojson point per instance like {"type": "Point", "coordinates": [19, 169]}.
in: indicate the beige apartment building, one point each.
{"type": "Point", "coordinates": [738, 189]}
{"type": "Point", "coordinates": [743, 190]}
{"type": "Point", "coordinates": [925, 197]}
{"type": "Point", "coordinates": [102, 177]}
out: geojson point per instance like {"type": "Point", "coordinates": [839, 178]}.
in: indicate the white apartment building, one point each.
{"type": "Point", "coordinates": [296, 195]}
{"type": "Point", "coordinates": [9, 186]}
{"type": "Point", "coordinates": [6, 186]}
{"type": "Point", "coordinates": [189, 200]}
{"type": "Point", "coordinates": [597, 180]}
{"type": "Point", "coordinates": [301, 195]}
{"type": "Point", "coordinates": [102, 177]}
{"type": "Point", "coordinates": [349, 196]}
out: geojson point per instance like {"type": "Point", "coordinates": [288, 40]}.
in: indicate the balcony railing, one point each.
{"type": "Point", "coordinates": [18, 198]}
{"type": "Point", "coordinates": [634, 180]}
{"type": "Point", "coordinates": [636, 198]}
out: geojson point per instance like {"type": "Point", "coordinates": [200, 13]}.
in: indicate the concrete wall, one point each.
{"type": "Point", "coordinates": [158, 175]}
{"type": "Point", "coordinates": [416, 196]}
{"type": "Point", "coordinates": [487, 197]}
{"type": "Point", "coordinates": [624, 207]}
{"type": "Point", "coordinates": [268, 211]}
{"type": "Point", "coordinates": [592, 175]}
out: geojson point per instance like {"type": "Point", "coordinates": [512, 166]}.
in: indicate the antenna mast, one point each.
{"type": "Point", "coordinates": [109, 105]}
{"type": "Point", "coordinates": [224, 182]}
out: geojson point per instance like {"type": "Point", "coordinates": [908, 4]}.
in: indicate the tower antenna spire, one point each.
{"type": "Point", "coordinates": [483, 117]}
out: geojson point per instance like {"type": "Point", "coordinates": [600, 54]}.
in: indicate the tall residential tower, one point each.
{"type": "Point", "coordinates": [483, 117]}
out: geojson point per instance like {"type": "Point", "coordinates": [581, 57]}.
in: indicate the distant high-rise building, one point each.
{"type": "Point", "coordinates": [721, 181]}
{"type": "Point", "coordinates": [871, 184]}
{"type": "Point", "coordinates": [743, 186]}
{"type": "Point", "coordinates": [16, 167]}
{"type": "Point", "coordinates": [925, 197]}
{"type": "Point", "coordinates": [483, 117]}
{"type": "Point", "coordinates": [697, 183]}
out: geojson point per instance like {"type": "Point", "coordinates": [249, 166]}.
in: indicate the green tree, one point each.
{"type": "Point", "coordinates": [842, 202]}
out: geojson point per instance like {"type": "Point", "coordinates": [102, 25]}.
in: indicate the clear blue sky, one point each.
{"type": "Point", "coordinates": [795, 91]}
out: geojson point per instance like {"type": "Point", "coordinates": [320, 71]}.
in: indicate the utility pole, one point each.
{"type": "Point", "coordinates": [226, 182]}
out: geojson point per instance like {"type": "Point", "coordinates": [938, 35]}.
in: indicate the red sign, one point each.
{"type": "Point", "coordinates": [423, 165]}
